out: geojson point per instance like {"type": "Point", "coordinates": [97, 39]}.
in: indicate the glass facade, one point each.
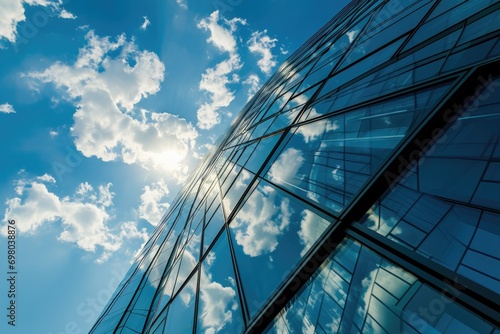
{"type": "Point", "coordinates": [357, 192]}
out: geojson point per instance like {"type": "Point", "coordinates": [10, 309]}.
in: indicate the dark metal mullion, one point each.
{"type": "Point", "coordinates": [417, 27]}
{"type": "Point", "coordinates": [239, 282]}
{"type": "Point", "coordinates": [468, 293]}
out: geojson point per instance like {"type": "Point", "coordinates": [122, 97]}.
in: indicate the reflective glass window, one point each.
{"type": "Point", "coordinates": [329, 161]}
{"type": "Point", "coordinates": [180, 316]}
{"type": "Point", "coordinates": [373, 296]}
{"type": "Point", "coordinates": [270, 233]}
{"type": "Point", "coordinates": [446, 208]}
{"type": "Point", "coordinates": [219, 309]}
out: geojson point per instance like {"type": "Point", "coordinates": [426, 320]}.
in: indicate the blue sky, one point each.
{"type": "Point", "coordinates": [105, 109]}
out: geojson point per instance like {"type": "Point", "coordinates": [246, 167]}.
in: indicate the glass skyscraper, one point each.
{"type": "Point", "coordinates": [357, 192]}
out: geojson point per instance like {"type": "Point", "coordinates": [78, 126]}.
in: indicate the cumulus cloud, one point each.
{"type": "Point", "coordinates": [64, 14]}
{"type": "Point", "coordinates": [311, 228]}
{"type": "Point", "coordinates": [153, 202]}
{"type": "Point", "coordinates": [253, 81]}
{"type": "Point", "coordinates": [260, 222]}
{"type": "Point", "coordinates": [261, 44]}
{"type": "Point", "coordinates": [7, 108]}
{"type": "Point", "coordinates": [218, 302]}
{"type": "Point", "coordinates": [146, 23]}
{"type": "Point", "coordinates": [216, 79]}
{"type": "Point", "coordinates": [13, 13]}
{"type": "Point", "coordinates": [286, 167]}
{"type": "Point", "coordinates": [83, 216]}
{"type": "Point", "coordinates": [46, 178]}
{"type": "Point", "coordinates": [221, 35]}
{"type": "Point", "coordinates": [105, 90]}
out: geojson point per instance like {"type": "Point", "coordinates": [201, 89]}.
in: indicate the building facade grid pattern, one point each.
{"type": "Point", "coordinates": [356, 192]}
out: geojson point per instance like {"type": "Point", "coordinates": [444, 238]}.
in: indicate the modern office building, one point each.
{"type": "Point", "coordinates": [357, 192]}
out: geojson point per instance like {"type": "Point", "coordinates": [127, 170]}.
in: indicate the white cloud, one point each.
{"type": "Point", "coordinates": [221, 35]}
{"type": "Point", "coordinates": [260, 222]}
{"type": "Point", "coordinates": [216, 305]}
{"type": "Point", "coordinates": [215, 80]}
{"type": "Point", "coordinates": [105, 90]}
{"type": "Point", "coordinates": [261, 44]}
{"type": "Point", "coordinates": [352, 35]}
{"type": "Point", "coordinates": [286, 167]}
{"type": "Point", "coordinates": [146, 23]}
{"type": "Point", "coordinates": [153, 202]}
{"type": "Point", "coordinates": [46, 178]}
{"type": "Point", "coordinates": [7, 108]}
{"type": "Point", "coordinates": [253, 81]}
{"type": "Point", "coordinates": [311, 228]}
{"type": "Point", "coordinates": [13, 13]}
{"type": "Point", "coordinates": [83, 216]}
{"type": "Point", "coordinates": [53, 133]}
{"type": "Point", "coordinates": [64, 14]}
{"type": "Point", "coordinates": [182, 4]}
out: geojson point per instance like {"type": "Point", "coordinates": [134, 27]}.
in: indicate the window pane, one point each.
{"type": "Point", "coordinates": [378, 297]}
{"type": "Point", "coordinates": [270, 235]}
{"type": "Point", "coordinates": [330, 160]}
{"type": "Point", "coordinates": [219, 310]}
{"type": "Point", "coordinates": [446, 208]}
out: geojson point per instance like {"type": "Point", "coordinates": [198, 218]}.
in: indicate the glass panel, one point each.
{"type": "Point", "coordinates": [473, 54]}
{"type": "Point", "coordinates": [390, 30]}
{"type": "Point", "coordinates": [180, 316]}
{"type": "Point", "coordinates": [359, 68]}
{"type": "Point", "coordinates": [219, 310]}
{"type": "Point", "coordinates": [236, 191]}
{"type": "Point", "coordinates": [481, 27]}
{"type": "Point", "coordinates": [374, 296]}
{"type": "Point", "coordinates": [329, 161]}
{"type": "Point", "coordinates": [447, 19]}
{"type": "Point", "coordinates": [271, 233]}
{"type": "Point", "coordinates": [212, 229]}
{"type": "Point", "coordinates": [446, 208]}
{"type": "Point", "coordinates": [261, 152]}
